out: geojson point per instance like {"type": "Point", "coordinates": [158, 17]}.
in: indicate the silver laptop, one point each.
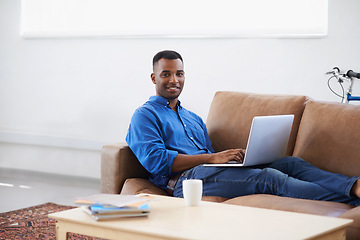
{"type": "Point", "coordinates": [268, 141]}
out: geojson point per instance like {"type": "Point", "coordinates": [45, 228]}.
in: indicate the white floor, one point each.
{"type": "Point", "coordinates": [20, 189]}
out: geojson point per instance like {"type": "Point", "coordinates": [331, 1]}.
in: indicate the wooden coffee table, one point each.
{"type": "Point", "coordinates": [170, 218]}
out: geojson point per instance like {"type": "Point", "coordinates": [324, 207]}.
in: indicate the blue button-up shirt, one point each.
{"type": "Point", "coordinates": [157, 134]}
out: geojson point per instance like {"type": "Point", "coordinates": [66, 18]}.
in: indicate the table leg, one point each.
{"type": "Point", "coordinates": [60, 234]}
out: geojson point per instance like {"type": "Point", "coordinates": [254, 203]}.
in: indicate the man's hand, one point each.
{"type": "Point", "coordinates": [228, 155]}
{"type": "Point", "coordinates": [183, 162]}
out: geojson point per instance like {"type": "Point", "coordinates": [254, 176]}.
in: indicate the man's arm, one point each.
{"type": "Point", "coordinates": [183, 162]}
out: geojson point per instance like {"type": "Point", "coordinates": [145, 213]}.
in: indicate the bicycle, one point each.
{"type": "Point", "coordinates": [349, 76]}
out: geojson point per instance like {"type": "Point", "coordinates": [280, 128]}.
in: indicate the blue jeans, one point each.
{"type": "Point", "coordinates": [288, 177]}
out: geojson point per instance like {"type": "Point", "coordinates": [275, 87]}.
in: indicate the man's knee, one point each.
{"type": "Point", "coordinates": [286, 163]}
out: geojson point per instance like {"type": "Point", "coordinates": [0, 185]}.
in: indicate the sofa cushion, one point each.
{"type": "Point", "coordinates": [133, 186]}
{"type": "Point", "coordinates": [329, 137]}
{"type": "Point", "coordinates": [231, 115]}
{"type": "Point", "coordinates": [323, 208]}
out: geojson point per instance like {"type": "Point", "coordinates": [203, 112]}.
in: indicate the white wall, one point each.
{"type": "Point", "coordinates": [72, 92]}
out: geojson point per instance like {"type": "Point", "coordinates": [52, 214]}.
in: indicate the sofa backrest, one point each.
{"type": "Point", "coordinates": [231, 113]}
{"type": "Point", "coordinates": [329, 137]}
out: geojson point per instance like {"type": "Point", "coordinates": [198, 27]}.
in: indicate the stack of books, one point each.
{"type": "Point", "coordinates": [113, 206]}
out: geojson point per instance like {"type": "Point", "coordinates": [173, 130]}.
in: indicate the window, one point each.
{"type": "Point", "coordinates": [179, 19]}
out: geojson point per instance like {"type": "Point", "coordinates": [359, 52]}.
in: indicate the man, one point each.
{"type": "Point", "coordinates": [169, 140]}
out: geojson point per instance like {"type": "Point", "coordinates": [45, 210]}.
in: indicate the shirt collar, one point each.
{"type": "Point", "coordinates": [163, 101]}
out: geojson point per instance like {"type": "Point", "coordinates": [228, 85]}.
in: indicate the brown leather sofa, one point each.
{"type": "Point", "coordinates": [324, 134]}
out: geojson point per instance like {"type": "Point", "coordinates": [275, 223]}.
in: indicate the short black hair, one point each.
{"type": "Point", "coordinates": [166, 54]}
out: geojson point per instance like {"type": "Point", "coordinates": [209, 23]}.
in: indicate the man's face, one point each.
{"type": "Point", "coordinates": [169, 78]}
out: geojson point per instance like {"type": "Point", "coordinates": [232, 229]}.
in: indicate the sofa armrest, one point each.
{"type": "Point", "coordinates": [119, 163]}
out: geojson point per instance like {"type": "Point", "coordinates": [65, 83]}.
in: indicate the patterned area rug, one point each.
{"type": "Point", "coordinates": [33, 223]}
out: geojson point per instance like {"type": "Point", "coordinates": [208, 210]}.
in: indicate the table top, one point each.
{"type": "Point", "coordinates": [170, 217]}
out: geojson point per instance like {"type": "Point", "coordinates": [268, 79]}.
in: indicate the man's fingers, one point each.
{"type": "Point", "coordinates": [238, 155]}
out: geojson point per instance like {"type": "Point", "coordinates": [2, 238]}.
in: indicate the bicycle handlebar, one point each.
{"type": "Point", "coordinates": [351, 73]}
{"type": "Point", "coordinates": [340, 76]}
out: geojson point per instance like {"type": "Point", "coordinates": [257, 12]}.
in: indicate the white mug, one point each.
{"type": "Point", "coordinates": [192, 191]}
